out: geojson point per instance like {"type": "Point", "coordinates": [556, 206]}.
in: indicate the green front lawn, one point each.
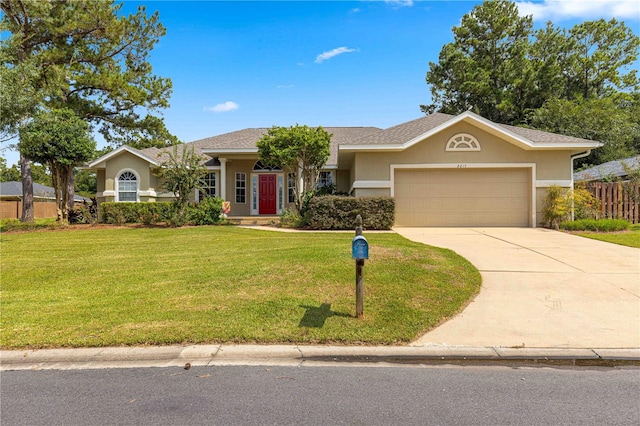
{"type": "Point", "coordinates": [134, 286]}
{"type": "Point", "coordinates": [629, 238]}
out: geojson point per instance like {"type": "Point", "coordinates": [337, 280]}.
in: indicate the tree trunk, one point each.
{"type": "Point", "coordinates": [71, 192]}
{"type": "Point", "coordinates": [27, 190]}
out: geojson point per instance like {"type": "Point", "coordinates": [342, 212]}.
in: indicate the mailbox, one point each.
{"type": "Point", "coordinates": [360, 248]}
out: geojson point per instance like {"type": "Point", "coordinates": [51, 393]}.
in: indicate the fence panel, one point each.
{"type": "Point", "coordinates": [13, 209]}
{"type": "Point", "coordinates": [617, 200]}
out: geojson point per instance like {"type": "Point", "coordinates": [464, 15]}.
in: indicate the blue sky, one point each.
{"type": "Point", "coordinates": [342, 63]}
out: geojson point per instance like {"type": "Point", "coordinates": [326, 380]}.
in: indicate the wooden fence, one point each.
{"type": "Point", "coordinates": [13, 209]}
{"type": "Point", "coordinates": [617, 200]}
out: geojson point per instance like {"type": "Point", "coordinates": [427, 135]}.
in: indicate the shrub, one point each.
{"type": "Point", "coordinates": [291, 219]}
{"type": "Point", "coordinates": [206, 212]}
{"type": "Point", "coordinates": [559, 203]}
{"type": "Point", "coordinates": [338, 212]}
{"type": "Point", "coordinates": [121, 213]}
{"type": "Point", "coordinates": [602, 225]}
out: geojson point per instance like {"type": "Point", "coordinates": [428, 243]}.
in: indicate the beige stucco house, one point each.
{"type": "Point", "coordinates": [443, 170]}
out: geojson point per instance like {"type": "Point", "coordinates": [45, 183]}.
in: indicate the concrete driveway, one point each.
{"type": "Point", "coordinates": [541, 288]}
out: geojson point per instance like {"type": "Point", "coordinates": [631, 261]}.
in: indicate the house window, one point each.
{"type": "Point", "coordinates": [259, 167]}
{"type": "Point", "coordinates": [241, 188]}
{"type": "Point", "coordinates": [208, 186]}
{"type": "Point", "coordinates": [325, 179]}
{"type": "Point", "coordinates": [280, 192]}
{"type": "Point", "coordinates": [463, 142]}
{"type": "Point", "coordinates": [291, 187]}
{"type": "Point", "coordinates": [127, 187]}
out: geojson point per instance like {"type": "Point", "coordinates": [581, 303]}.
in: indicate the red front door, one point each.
{"type": "Point", "coordinates": [267, 191]}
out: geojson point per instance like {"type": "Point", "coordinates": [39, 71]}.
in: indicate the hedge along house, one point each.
{"type": "Point", "coordinates": [442, 170]}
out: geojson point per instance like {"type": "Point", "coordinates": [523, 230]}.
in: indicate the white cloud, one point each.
{"type": "Point", "coordinates": [223, 107]}
{"type": "Point", "coordinates": [558, 10]}
{"type": "Point", "coordinates": [284, 86]}
{"type": "Point", "coordinates": [331, 53]}
{"type": "Point", "coordinates": [399, 3]}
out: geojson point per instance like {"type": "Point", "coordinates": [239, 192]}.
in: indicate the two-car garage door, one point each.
{"type": "Point", "coordinates": [463, 197]}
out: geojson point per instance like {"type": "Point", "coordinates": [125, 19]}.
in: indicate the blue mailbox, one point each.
{"type": "Point", "coordinates": [360, 248]}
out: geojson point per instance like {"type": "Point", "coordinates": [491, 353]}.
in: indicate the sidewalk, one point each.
{"type": "Point", "coordinates": [299, 356]}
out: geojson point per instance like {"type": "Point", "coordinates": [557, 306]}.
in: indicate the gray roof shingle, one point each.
{"type": "Point", "coordinates": [612, 168]}
{"type": "Point", "coordinates": [14, 189]}
{"type": "Point", "coordinates": [248, 138]}
{"type": "Point", "coordinates": [405, 132]}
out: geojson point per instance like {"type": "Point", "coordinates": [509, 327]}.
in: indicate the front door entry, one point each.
{"type": "Point", "coordinates": [267, 191]}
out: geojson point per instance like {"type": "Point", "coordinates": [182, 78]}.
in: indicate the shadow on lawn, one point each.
{"type": "Point", "coordinates": [316, 316]}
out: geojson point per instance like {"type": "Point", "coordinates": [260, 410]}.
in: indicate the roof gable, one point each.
{"type": "Point", "coordinates": [405, 135]}
{"type": "Point", "coordinates": [99, 162]}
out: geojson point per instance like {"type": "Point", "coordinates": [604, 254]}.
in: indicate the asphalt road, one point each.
{"type": "Point", "coordinates": [438, 395]}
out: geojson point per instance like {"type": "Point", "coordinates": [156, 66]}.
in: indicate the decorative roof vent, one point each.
{"type": "Point", "coordinates": [463, 142]}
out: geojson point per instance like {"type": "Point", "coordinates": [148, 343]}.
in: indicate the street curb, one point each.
{"type": "Point", "coordinates": [294, 355]}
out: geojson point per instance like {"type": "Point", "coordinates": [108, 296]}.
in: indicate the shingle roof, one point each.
{"type": "Point", "coordinates": [612, 168]}
{"type": "Point", "coordinates": [14, 189]}
{"type": "Point", "coordinates": [247, 139]}
{"type": "Point", "coordinates": [405, 132]}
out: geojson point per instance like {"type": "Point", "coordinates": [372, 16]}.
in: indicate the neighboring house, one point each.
{"type": "Point", "coordinates": [618, 169]}
{"type": "Point", "coordinates": [443, 170]}
{"type": "Point", "coordinates": [12, 191]}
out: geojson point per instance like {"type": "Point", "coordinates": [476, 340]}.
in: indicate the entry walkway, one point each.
{"type": "Point", "coordinates": [541, 288]}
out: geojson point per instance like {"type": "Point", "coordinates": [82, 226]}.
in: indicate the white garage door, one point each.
{"type": "Point", "coordinates": [463, 197]}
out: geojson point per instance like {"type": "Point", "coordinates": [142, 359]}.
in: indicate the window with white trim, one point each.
{"type": "Point", "coordinates": [241, 188]}
{"type": "Point", "coordinates": [208, 185]}
{"type": "Point", "coordinates": [463, 142]}
{"type": "Point", "coordinates": [291, 187]}
{"type": "Point", "coordinates": [325, 179]}
{"type": "Point", "coordinates": [127, 187]}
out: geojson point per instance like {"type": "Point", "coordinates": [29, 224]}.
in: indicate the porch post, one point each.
{"type": "Point", "coordinates": [223, 178]}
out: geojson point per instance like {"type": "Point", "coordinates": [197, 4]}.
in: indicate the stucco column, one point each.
{"type": "Point", "coordinates": [223, 178]}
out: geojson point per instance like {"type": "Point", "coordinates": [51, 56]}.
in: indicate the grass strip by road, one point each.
{"type": "Point", "coordinates": [150, 286]}
{"type": "Point", "coordinates": [630, 238]}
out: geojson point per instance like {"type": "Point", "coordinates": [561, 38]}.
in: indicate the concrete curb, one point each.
{"type": "Point", "coordinates": [293, 355]}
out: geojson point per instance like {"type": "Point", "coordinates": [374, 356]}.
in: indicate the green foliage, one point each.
{"type": "Point", "coordinates": [560, 202]}
{"type": "Point", "coordinates": [206, 212]}
{"type": "Point", "coordinates": [61, 140]}
{"type": "Point", "coordinates": [579, 82]}
{"type": "Point", "coordinates": [182, 174]}
{"type": "Point", "coordinates": [297, 149]}
{"type": "Point", "coordinates": [147, 213]}
{"type": "Point", "coordinates": [337, 212]}
{"type": "Point", "coordinates": [485, 67]}
{"type": "Point", "coordinates": [8, 174]}
{"type": "Point", "coordinates": [613, 121]}
{"type": "Point", "coordinates": [16, 225]}
{"type": "Point", "coordinates": [87, 56]}
{"type": "Point", "coordinates": [601, 225]}
{"type": "Point", "coordinates": [291, 219]}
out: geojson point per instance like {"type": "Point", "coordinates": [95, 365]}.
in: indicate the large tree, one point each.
{"type": "Point", "coordinates": [61, 140]}
{"type": "Point", "coordinates": [86, 56]}
{"type": "Point", "coordinates": [578, 81]}
{"type": "Point", "coordinates": [300, 150]}
{"type": "Point", "coordinates": [484, 68]}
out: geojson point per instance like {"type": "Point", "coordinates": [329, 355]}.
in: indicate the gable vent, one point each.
{"type": "Point", "coordinates": [463, 142]}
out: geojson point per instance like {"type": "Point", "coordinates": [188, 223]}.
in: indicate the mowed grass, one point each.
{"type": "Point", "coordinates": [629, 238]}
{"type": "Point", "coordinates": [151, 286]}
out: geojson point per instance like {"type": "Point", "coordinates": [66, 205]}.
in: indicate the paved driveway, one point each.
{"type": "Point", "coordinates": [541, 288]}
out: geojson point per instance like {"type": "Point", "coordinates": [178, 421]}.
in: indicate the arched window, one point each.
{"type": "Point", "coordinates": [127, 187]}
{"type": "Point", "coordinates": [463, 142]}
{"type": "Point", "coordinates": [259, 167]}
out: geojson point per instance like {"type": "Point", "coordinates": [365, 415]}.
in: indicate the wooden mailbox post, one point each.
{"type": "Point", "coordinates": [359, 252]}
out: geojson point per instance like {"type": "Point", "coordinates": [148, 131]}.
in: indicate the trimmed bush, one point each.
{"type": "Point", "coordinates": [602, 225]}
{"type": "Point", "coordinates": [206, 212]}
{"type": "Point", "coordinates": [338, 212]}
{"type": "Point", "coordinates": [147, 213]}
